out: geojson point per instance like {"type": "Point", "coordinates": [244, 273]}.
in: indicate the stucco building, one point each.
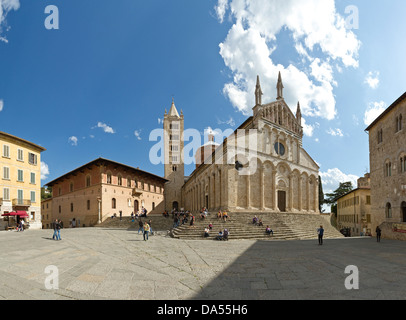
{"type": "Point", "coordinates": [101, 188]}
{"type": "Point", "coordinates": [20, 181]}
{"type": "Point", "coordinates": [354, 209]}
{"type": "Point", "coordinates": [262, 166]}
{"type": "Point", "coordinates": [387, 152]}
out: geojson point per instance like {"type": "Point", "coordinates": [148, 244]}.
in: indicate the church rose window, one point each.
{"type": "Point", "coordinates": [280, 149]}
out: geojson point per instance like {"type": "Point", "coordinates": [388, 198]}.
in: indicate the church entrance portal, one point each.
{"type": "Point", "coordinates": [282, 201]}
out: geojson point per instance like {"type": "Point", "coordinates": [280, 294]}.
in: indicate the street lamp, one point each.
{"type": "Point", "coordinates": [99, 201]}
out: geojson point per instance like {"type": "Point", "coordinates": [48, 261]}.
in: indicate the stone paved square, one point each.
{"type": "Point", "coordinates": [96, 263]}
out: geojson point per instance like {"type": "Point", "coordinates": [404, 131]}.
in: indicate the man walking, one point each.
{"type": "Point", "coordinates": [320, 232]}
{"type": "Point", "coordinates": [146, 230]}
{"type": "Point", "coordinates": [378, 234]}
{"type": "Point", "coordinates": [58, 229]}
{"type": "Point", "coordinates": [55, 236]}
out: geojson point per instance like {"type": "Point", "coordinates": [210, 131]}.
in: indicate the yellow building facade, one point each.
{"type": "Point", "coordinates": [20, 179]}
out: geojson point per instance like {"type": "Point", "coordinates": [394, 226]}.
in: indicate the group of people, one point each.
{"type": "Point", "coordinates": [57, 226]}
{"type": "Point", "coordinates": [258, 222]}
{"type": "Point", "coordinates": [222, 235]}
{"type": "Point", "coordinates": [222, 215]}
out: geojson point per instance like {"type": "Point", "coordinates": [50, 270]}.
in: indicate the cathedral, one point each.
{"type": "Point", "coordinates": [262, 166]}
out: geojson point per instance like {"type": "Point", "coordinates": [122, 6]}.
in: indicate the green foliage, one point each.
{"type": "Point", "coordinates": [331, 198]}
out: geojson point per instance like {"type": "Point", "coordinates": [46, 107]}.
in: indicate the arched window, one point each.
{"type": "Point", "coordinates": [113, 203]}
{"type": "Point", "coordinates": [388, 169]}
{"type": "Point", "coordinates": [388, 211]}
{"type": "Point", "coordinates": [108, 178]}
{"type": "Point", "coordinates": [71, 187]}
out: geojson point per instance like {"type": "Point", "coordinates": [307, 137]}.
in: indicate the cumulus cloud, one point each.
{"type": "Point", "coordinates": [73, 141]}
{"type": "Point", "coordinates": [5, 7]}
{"type": "Point", "coordinates": [332, 178]}
{"type": "Point", "coordinates": [372, 79]}
{"type": "Point", "coordinates": [249, 46]}
{"type": "Point", "coordinates": [373, 111]}
{"type": "Point", "coordinates": [44, 170]}
{"type": "Point", "coordinates": [105, 127]}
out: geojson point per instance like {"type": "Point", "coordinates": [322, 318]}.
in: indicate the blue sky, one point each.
{"type": "Point", "coordinates": [100, 84]}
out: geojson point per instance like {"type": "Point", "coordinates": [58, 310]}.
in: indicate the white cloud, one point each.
{"type": "Point", "coordinates": [373, 111]}
{"type": "Point", "coordinates": [73, 141]}
{"type": "Point", "coordinates": [160, 121]}
{"type": "Point", "coordinates": [229, 122]}
{"type": "Point", "coordinates": [335, 132]}
{"type": "Point", "coordinates": [44, 170]}
{"type": "Point", "coordinates": [5, 7]}
{"type": "Point", "coordinates": [314, 25]}
{"type": "Point", "coordinates": [1, 105]}
{"type": "Point", "coordinates": [221, 9]}
{"type": "Point", "coordinates": [372, 79]}
{"type": "Point", "coordinates": [137, 134]}
{"type": "Point", "coordinates": [333, 177]}
{"type": "Point", "coordinates": [105, 128]}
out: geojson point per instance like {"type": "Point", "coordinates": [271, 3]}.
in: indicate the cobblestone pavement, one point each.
{"type": "Point", "coordinates": [95, 263]}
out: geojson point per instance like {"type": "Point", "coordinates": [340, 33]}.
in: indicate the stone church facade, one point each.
{"type": "Point", "coordinates": [261, 167]}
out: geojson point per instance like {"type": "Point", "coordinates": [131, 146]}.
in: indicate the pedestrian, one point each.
{"type": "Point", "coordinates": [55, 236]}
{"type": "Point", "coordinates": [141, 225]}
{"type": "Point", "coordinates": [320, 232]}
{"type": "Point", "coordinates": [206, 233]}
{"type": "Point", "coordinates": [146, 231]}
{"type": "Point", "coordinates": [378, 234]}
{"type": "Point", "coordinates": [58, 229]}
{"type": "Point", "coordinates": [150, 225]}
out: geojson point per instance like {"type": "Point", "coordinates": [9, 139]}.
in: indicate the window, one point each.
{"type": "Point", "coordinates": [380, 136]}
{"type": "Point", "coordinates": [32, 158]}
{"type": "Point", "coordinates": [120, 181]}
{"type": "Point", "coordinates": [6, 151]}
{"type": "Point", "coordinates": [20, 175]}
{"type": "Point", "coordinates": [109, 178]}
{"type": "Point", "coordinates": [32, 198]}
{"type": "Point", "coordinates": [153, 205]}
{"type": "Point", "coordinates": [71, 207]}
{"type": "Point", "coordinates": [71, 187]}
{"type": "Point", "coordinates": [20, 155]}
{"type": "Point", "coordinates": [88, 204]}
{"type": "Point", "coordinates": [6, 173]}
{"type": "Point", "coordinates": [368, 201]}
{"type": "Point", "coordinates": [60, 209]}
{"type": "Point", "coordinates": [388, 169]}
{"type": "Point", "coordinates": [88, 181]}
{"type": "Point", "coordinates": [280, 149]}
{"type": "Point", "coordinates": [128, 182]}
{"type": "Point", "coordinates": [20, 196]}
{"type": "Point", "coordinates": [403, 164]}
{"type": "Point", "coordinates": [398, 123]}
{"type": "Point", "coordinates": [113, 203]}
{"type": "Point", "coordinates": [388, 211]}
{"type": "Point", "coordinates": [174, 168]}
{"type": "Point", "coordinates": [32, 181]}
{"type": "Point", "coordinates": [6, 194]}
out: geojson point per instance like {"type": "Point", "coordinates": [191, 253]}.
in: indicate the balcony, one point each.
{"type": "Point", "coordinates": [21, 202]}
{"type": "Point", "coordinates": [137, 192]}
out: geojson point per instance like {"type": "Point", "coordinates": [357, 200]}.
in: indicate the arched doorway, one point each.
{"type": "Point", "coordinates": [403, 208]}
{"type": "Point", "coordinates": [175, 205]}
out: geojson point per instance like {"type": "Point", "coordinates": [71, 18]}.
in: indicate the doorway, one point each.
{"type": "Point", "coordinates": [175, 205]}
{"type": "Point", "coordinates": [282, 201]}
{"type": "Point", "coordinates": [403, 208]}
{"type": "Point", "coordinates": [136, 206]}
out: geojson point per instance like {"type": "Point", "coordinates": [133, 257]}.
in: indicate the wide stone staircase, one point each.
{"type": "Point", "coordinates": [286, 226]}
{"type": "Point", "coordinates": [158, 222]}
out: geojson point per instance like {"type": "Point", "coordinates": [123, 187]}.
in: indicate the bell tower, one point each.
{"type": "Point", "coordinates": [174, 164]}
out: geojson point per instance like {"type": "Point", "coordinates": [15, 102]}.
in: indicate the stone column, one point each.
{"type": "Point", "coordinates": [274, 191]}
{"type": "Point", "coordinates": [262, 187]}
{"type": "Point", "coordinates": [300, 193]}
{"type": "Point", "coordinates": [290, 193]}
{"type": "Point", "coordinates": [308, 193]}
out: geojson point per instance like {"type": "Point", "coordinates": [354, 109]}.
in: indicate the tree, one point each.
{"type": "Point", "coordinates": [331, 199]}
{"type": "Point", "coordinates": [46, 193]}
{"type": "Point", "coordinates": [321, 195]}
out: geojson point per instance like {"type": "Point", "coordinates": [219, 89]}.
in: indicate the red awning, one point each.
{"type": "Point", "coordinates": [21, 214]}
